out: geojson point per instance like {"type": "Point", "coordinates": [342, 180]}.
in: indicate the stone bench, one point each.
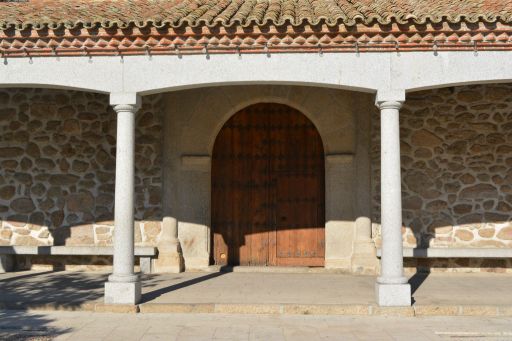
{"type": "Point", "coordinates": [7, 253]}
{"type": "Point", "coordinates": [454, 253]}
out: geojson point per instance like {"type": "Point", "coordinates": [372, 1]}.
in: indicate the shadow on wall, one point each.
{"type": "Point", "coordinates": [57, 155]}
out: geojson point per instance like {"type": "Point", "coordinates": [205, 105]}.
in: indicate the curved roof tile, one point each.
{"type": "Point", "coordinates": [38, 14]}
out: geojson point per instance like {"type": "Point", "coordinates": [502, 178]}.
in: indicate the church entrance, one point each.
{"type": "Point", "coordinates": [268, 189]}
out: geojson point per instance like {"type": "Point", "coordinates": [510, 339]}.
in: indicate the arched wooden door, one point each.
{"type": "Point", "coordinates": [268, 189]}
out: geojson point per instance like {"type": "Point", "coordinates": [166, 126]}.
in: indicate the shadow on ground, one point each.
{"type": "Point", "coordinates": [68, 290]}
{"type": "Point", "coordinates": [416, 281]}
{"type": "Point", "coordinates": [17, 325]}
{"type": "Point", "coordinates": [152, 295]}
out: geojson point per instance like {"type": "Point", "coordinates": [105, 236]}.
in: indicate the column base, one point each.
{"type": "Point", "coordinates": [122, 292]}
{"type": "Point", "coordinates": [393, 295]}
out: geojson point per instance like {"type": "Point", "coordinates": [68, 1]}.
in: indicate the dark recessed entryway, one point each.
{"type": "Point", "coordinates": [268, 189]}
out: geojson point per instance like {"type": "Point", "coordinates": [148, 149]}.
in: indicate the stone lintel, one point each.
{"type": "Point", "coordinates": [196, 162]}
{"type": "Point", "coordinates": [130, 98]}
{"type": "Point", "coordinates": [389, 95]}
{"type": "Point", "coordinates": [341, 158]}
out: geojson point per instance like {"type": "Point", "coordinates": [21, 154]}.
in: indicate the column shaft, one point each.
{"type": "Point", "coordinates": [124, 195]}
{"type": "Point", "coordinates": [392, 288]}
{"type": "Point", "coordinates": [123, 286]}
{"type": "Point", "coordinates": [391, 195]}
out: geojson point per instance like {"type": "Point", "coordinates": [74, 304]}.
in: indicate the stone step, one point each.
{"type": "Point", "coordinates": [272, 309]}
{"type": "Point", "coordinates": [329, 309]}
{"type": "Point", "coordinates": [274, 269]}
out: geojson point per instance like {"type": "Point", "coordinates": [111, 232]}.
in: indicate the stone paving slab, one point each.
{"type": "Point", "coordinates": [84, 326]}
{"type": "Point", "coordinates": [319, 293]}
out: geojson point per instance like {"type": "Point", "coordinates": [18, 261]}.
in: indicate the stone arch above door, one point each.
{"type": "Point", "coordinates": [330, 110]}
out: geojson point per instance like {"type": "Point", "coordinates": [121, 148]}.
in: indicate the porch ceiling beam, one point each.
{"type": "Point", "coordinates": [361, 72]}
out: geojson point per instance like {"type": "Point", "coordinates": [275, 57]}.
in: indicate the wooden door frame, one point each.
{"type": "Point", "coordinates": [320, 261]}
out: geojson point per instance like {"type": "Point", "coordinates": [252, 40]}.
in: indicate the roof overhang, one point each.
{"type": "Point", "coordinates": [136, 27]}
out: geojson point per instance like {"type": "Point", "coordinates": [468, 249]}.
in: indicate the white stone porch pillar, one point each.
{"type": "Point", "coordinates": [123, 286]}
{"type": "Point", "coordinates": [391, 288]}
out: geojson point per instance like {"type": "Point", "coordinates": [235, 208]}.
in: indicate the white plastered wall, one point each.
{"type": "Point", "coordinates": [193, 119]}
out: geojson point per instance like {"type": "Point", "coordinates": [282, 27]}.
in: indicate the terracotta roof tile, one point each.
{"type": "Point", "coordinates": [38, 14]}
{"type": "Point", "coordinates": [130, 27]}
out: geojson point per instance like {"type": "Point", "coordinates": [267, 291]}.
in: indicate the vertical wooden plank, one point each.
{"type": "Point", "coordinates": [243, 199]}
{"type": "Point", "coordinates": [220, 193]}
{"type": "Point", "coordinates": [300, 194]}
{"type": "Point", "coordinates": [271, 188]}
{"type": "Point", "coordinates": [259, 185]}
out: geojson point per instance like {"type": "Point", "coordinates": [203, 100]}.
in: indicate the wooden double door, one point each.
{"type": "Point", "coordinates": [268, 189]}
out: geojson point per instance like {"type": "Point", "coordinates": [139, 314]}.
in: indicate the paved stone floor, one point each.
{"type": "Point", "coordinates": [72, 289]}
{"type": "Point", "coordinates": [84, 326]}
{"type": "Point", "coordinates": [75, 288]}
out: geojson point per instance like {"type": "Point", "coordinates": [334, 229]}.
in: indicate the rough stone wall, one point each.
{"type": "Point", "coordinates": [57, 168]}
{"type": "Point", "coordinates": [456, 154]}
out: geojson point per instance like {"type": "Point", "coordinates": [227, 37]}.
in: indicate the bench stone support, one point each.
{"type": "Point", "coordinates": [170, 259]}
{"type": "Point", "coordinates": [6, 263]}
{"type": "Point", "coordinates": [123, 286]}
{"type": "Point", "coordinates": [145, 265]}
{"type": "Point", "coordinates": [391, 288]}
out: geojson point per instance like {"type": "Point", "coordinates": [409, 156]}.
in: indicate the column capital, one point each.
{"type": "Point", "coordinates": [390, 98]}
{"type": "Point", "coordinates": [389, 105]}
{"type": "Point", "coordinates": [126, 107]}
